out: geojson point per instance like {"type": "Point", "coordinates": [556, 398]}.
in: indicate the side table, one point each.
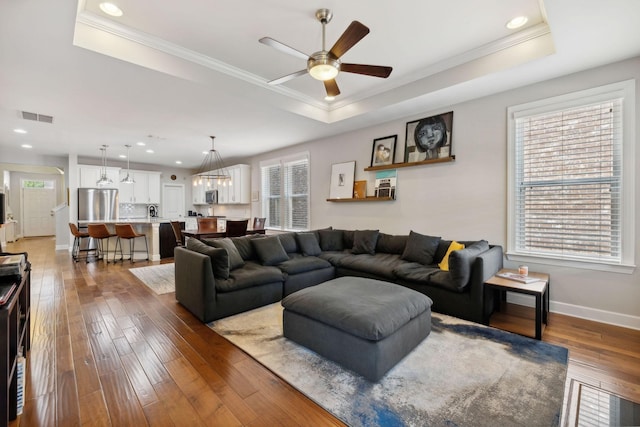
{"type": "Point", "coordinates": [539, 289]}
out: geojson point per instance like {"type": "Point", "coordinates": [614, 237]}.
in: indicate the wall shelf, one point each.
{"type": "Point", "coordinates": [365, 199]}
{"type": "Point", "coordinates": [406, 165]}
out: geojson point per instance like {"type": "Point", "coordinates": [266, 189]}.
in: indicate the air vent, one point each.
{"type": "Point", "coordinates": [37, 117]}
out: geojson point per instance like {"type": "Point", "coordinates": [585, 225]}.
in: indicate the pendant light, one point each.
{"type": "Point", "coordinates": [128, 179]}
{"type": "Point", "coordinates": [213, 170]}
{"type": "Point", "coordinates": [104, 179]}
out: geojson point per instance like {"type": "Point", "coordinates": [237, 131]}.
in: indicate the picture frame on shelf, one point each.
{"type": "Point", "coordinates": [342, 176]}
{"type": "Point", "coordinates": [385, 185]}
{"type": "Point", "coordinates": [360, 190]}
{"type": "Point", "coordinates": [429, 138]}
{"type": "Point", "coordinates": [383, 151]}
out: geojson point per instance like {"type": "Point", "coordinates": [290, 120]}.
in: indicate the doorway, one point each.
{"type": "Point", "coordinates": [37, 219]}
{"type": "Point", "coordinates": [173, 201]}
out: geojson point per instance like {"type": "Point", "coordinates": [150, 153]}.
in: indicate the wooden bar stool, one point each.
{"type": "Point", "coordinates": [126, 231]}
{"type": "Point", "coordinates": [100, 232]}
{"type": "Point", "coordinates": [78, 236]}
{"type": "Point", "coordinates": [177, 232]}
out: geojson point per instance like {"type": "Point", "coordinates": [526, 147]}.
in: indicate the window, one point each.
{"type": "Point", "coordinates": [571, 178]}
{"type": "Point", "coordinates": [285, 193]}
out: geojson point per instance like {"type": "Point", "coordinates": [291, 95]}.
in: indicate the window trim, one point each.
{"type": "Point", "coordinates": [625, 90]}
{"type": "Point", "coordinates": [281, 161]}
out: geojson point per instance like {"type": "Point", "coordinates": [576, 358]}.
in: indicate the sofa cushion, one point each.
{"type": "Point", "coordinates": [331, 240]}
{"type": "Point", "coordinates": [334, 257]}
{"type": "Point", "coordinates": [297, 264]}
{"type": "Point", "coordinates": [244, 246]}
{"type": "Point", "coordinates": [347, 238]}
{"type": "Point", "coordinates": [389, 244]}
{"type": "Point", "coordinates": [461, 261]}
{"type": "Point", "coordinates": [453, 246]}
{"type": "Point", "coordinates": [308, 244]}
{"type": "Point", "coordinates": [364, 242]}
{"type": "Point", "coordinates": [235, 260]}
{"type": "Point", "coordinates": [289, 242]}
{"type": "Point", "coordinates": [380, 265]}
{"type": "Point", "coordinates": [252, 274]}
{"type": "Point", "coordinates": [219, 257]}
{"type": "Point", "coordinates": [415, 272]}
{"type": "Point", "coordinates": [270, 250]}
{"type": "Point", "coordinates": [420, 248]}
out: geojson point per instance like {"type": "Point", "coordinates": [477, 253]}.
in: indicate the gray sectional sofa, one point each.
{"type": "Point", "coordinates": [219, 277]}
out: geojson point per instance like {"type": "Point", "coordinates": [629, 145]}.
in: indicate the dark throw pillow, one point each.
{"type": "Point", "coordinates": [270, 250]}
{"type": "Point", "coordinates": [235, 260]}
{"type": "Point", "coordinates": [461, 261]}
{"type": "Point", "coordinates": [331, 240]}
{"type": "Point", "coordinates": [219, 257]}
{"type": "Point", "coordinates": [364, 242]}
{"type": "Point", "coordinates": [308, 244]}
{"type": "Point", "coordinates": [420, 248]}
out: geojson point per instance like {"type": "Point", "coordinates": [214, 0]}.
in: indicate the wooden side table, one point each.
{"type": "Point", "coordinates": [539, 289]}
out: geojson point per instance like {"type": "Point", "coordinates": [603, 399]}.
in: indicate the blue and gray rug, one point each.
{"type": "Point", "coordinates": [462, 374]}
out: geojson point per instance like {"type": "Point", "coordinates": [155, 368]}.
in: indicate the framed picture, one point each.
{"type": "Point", "coordinates": [255, 196]}
{"type": "Point", "coordinates": [360, 189]}
{"type": "Point", "coordinates": [429, 138]}
{"type": "Point", "coordinates": [383, 150]}
{"type": "Point", "coordinates": [342, 175]}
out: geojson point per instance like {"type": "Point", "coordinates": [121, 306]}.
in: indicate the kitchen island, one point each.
{"type": "Point", "coordinates": [150, 227]}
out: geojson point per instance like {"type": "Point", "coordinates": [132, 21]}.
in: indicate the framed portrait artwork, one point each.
{"type": "Point", "coordinates": [383, 151]}
{"type": "Point", "coordinates": [342, 175]}
{"type": "Point", "coordinates": [429, 138]}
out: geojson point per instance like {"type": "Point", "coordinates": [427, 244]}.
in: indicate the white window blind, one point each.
{"type": "Point", "coordinates": [285, 189]}
{"type": "Point", "coordinates": [567, 180]}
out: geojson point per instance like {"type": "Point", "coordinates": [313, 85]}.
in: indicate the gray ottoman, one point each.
{"type": "Point", "coordinates": [363, 324]}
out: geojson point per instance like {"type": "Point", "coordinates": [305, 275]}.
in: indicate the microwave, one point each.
{"type": "Point", "coordinates": [211, 197]}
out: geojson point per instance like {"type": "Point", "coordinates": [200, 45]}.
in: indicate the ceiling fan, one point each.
{"type": "Point", "coordinates": [325, 64]}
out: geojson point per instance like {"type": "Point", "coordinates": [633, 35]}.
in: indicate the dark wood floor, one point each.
{"type": "Point", "coordinates": [108, 351]}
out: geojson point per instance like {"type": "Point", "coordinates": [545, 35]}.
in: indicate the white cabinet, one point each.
{"type": "Point", "coordinates": [88, 176]}
{"type": "Point", "coordinates": [197, 190]}
{"type": "Point", "coordinates": [239, 192]}
{"type": "Point", "coordinates": [145, 189]}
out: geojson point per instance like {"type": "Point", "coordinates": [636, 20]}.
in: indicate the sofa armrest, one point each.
{"type": "Point", "coordinates": [489, 262]}
{"type": "Point", "coordinates": [195, 284]}
{"type": "Point", "coordinates": [485, 265]}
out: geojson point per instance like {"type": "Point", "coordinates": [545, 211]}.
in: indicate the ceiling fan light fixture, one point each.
{"type": "Point", "coordinates": [322, 66]}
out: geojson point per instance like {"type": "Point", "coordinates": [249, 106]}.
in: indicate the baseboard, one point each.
{"type": "Point", "coordinates": [602, 316]}
{"type": "Point", "coordinates": [62, 247]}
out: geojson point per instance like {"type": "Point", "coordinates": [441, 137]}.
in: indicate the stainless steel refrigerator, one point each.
{"type": "Point", "coordinates": [97, 204]}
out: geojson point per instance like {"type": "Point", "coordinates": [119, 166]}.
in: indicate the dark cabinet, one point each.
{"type": "Point", "coordinates": [15, 327]}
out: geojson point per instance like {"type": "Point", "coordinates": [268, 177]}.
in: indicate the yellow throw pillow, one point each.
{"type": "Point", "coordinates": [454, 246]}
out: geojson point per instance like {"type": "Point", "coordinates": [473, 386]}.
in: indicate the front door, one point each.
{"type": "Point", "coordinates": [37, 218]}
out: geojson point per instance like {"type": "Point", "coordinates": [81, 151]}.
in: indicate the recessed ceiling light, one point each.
{"type": "Point", "coordinates": [20, 131]}
{"type": "Point", "coordinates": [517, 22]}
{"type": "Point", "coordinates": [123, 156]}
{"type": "Point", "coordinates": [329, 98]}
{"type": "Point", "coordinates": [205, 152]}
{"type": "Point", "coordinates": [140, 144]}
{"type": "Point", "coordinates": [178, 162]}
{"type": "Point", "coordinates": [110, 9]}
{"type": "Point", "coordinates": [150, 151]}
{"type": "Point", "coordinates": [26, 146]}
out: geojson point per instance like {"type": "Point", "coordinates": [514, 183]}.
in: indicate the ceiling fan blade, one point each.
{"type": "Point", "coordinates": [283, 47]}
{"type": "Point", "coordinates": [288, 77]}
{"type": "Point", "coordinates": [332, 87]}
{"type": "Point", "coordinates": [352, 35]}
{"type": "Point", "coordinates": [368, 70]}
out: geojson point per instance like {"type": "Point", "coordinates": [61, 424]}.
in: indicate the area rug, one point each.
{"type": "Point", "coordinates": [462, 374]}
{"type": "Point", "coordinates": [159, 278]}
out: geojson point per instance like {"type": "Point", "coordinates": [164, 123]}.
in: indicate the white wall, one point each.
{"type": "Point", "coordinates": [467, 199]}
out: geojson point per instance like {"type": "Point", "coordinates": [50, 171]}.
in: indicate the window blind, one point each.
{"type": "Point", "coordinates": [568, 167]}
{"type": "Point", "coordinates": [285, 189]}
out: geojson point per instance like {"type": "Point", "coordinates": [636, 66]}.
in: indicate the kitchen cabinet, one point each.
{"type": "Point", "coordinates": [197, 190]}
{"type": "Point", "coordinates": [88, 175]}
{"type": "Point", "coordinates": [239, 192]}
{"type": "Point", "coordinates": [145, 189]}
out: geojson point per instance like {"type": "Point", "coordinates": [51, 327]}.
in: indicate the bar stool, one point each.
{"type": "Point", "coordinates": [77, 242]}
{"type": "Point", "coordinates": [126, 231]}
{"type": "Point", "coordinates": [99, 232]}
